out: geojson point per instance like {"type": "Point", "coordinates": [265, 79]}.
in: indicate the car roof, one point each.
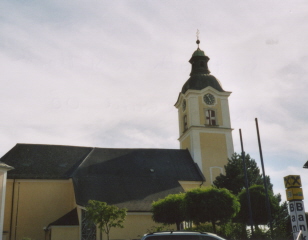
{"type": "Point", "coordinates": [180, 233]}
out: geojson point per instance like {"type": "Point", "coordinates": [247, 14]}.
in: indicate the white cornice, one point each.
{"type": "Point", "coordinates": [198, 92]}
{"type": "Point", "coordinates": [206, 130]}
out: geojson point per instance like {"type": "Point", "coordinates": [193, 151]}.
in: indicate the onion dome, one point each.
{"type": "Point", "coordinates": [200, 76]}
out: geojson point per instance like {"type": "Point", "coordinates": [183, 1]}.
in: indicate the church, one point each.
{"type": "Point", "coordinates": [50, 185]}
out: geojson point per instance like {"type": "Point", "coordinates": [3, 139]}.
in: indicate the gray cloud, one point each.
{"type": "Point", "coordinates": [107, 73]}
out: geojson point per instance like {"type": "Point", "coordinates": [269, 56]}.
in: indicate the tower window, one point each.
{"type": "Point", "coordinates": [185, 123]}
{"type": "Point", "coordinates": [201, 64]}
{"type": "Point", "coordinates": [210, 117]}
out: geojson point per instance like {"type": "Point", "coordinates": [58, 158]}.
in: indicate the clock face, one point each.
{"type": "Point", "coordinates": [209, 99]}
{"type": "Point", "coordinates": [184, 105]}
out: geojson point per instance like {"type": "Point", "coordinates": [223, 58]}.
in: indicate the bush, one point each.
{"type": "Point", "coordinates": [231, 231]}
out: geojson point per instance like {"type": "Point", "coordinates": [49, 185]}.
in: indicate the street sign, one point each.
{"type": "Point", "coordinates": [292, 181]}
{"type": "Point", "coordinates": [298, 219]}
{"type": "Point", "coordinates": [294, 194]}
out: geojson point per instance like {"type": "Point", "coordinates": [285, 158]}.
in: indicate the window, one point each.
{"type": "Point", "coordinates": [185, 123]}
{"type": "Point", "coordinates": [210, 117]}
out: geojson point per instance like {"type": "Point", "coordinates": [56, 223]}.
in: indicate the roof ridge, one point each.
{"type": "Point", "coordinates": [57, 145]}
{"type": "Point", "coordinates": [86, 157]}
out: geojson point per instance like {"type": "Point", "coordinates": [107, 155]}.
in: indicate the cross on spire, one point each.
{"type": "Point", "coordinates": [197, 34]}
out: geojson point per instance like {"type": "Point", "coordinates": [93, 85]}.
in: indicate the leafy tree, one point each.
{"type": "Point", "coordinates": [105, 216]}
{"type": "Point", "coordinates": [233, 179]}
{"type": "Point", "coordinates": [210, 205]}
{"type": "Point", "coordinates": [258, 205]}
{"type": "Point", "coordinates": [228, 230]}
{"type": "Point", "coordinates": [233, 231]}
{"type": "Point", "coordinates": [282, 223]}
{"type": "Point", "coordinates": [169, 210]}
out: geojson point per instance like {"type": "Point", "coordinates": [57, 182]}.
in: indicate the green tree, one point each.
{"type": "Point", "coordinates": [228, 230]}
{"type": "Point", "coordinates": [233, 179]}
{"type": "Point", "coordinates": [235, 182]}
{"type": "Point", "coordinates": [210, 205]}
{"type": "Point", "coordinates": [258, 205]}
{"type": "Point", "coordinates": [105, 216]}
{"type": "Point", "coordinates": [282, 223]}
{"type": "Point", "coordinates": [169, 210]}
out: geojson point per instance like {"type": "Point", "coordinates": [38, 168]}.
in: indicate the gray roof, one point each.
{"type": "Point", "coordinates": [131, 178]}
{"type": "Point", "coordinates": [201, 81]}
{"type": "Point", "coordinates": [38, 161]}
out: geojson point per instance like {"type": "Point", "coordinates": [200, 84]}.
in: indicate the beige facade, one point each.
{"type": "Point", "coordinates": [189, 185]}
{"type": "Point", "coordinates": [135, 226]}
{"type": "Point", "coordinates": [63, 233]}
{"type": "Point", "coordinates": [33, 204]}
{"type": "Point", "coordinates": [210, 145]}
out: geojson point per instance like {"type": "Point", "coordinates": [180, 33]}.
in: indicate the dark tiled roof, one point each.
{"type": "Point", "coordinates": [131, 178]}
{"type": "Point", "coordinates": [36, 161]}
{"type": "Point", "coordinates": [69, 219]}
{"type": "Point", "coordinates": [201, 81]}
{"type": "Point", "coordinates": [306, 165]}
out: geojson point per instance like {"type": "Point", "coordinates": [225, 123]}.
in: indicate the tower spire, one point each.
{"type": "Point", "coordinates": [198, 41]}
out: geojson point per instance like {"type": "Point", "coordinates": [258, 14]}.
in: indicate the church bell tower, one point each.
{"type": "Point", "coordinates": [204, 118]}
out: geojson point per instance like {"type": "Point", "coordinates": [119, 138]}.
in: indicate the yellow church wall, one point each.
{"type": "Point", "coordinates": [135, 226]}
{"type": "Point", "coordinates": [201, 110]}
{"type": "Point", "coordinates": [214, 155]}
{"type": "Point", "coordinates": [189, 185]}
{"type": "Point", "coordinates": [215, 171]}
{"type": "Point", "coordinates": [185, 144]}
{"type": "Point", "coordinates": [8, 206]}
{"type": "Point", "coordinates": [181, 120]}
{"type": "Point", "coordinates": [219, 112]}
{"type": "Point", "coordinates": [64, 233]}
{"type": "Point", "coordinates": [34, 206]}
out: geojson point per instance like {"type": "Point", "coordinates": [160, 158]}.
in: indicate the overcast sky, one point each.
{"type": "Point", "coordinates": [108, 73]}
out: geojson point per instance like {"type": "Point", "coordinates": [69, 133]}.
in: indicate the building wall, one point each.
{"type": "Point", "coordinates": [189, 185]}
{"type": "Point", "coordinates": [214, 154]}
{"type": "Point", "coordinates": [64, 233]}
{"type": "Point", "coordinates": [34, 204]}
{"type": "Point", "coordinates": [185, 144]}
{"type": "Point", "coordinates": [37, 203]}
{"type": "Point", "coordinates": [135, 226]}
{"type": "Point", "coordinates": [209, 145]}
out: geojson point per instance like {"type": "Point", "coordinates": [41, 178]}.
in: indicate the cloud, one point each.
{"type": "Point", "coordinates": [107, 73]}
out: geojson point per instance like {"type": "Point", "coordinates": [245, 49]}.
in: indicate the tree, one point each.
{"type": "Point", "coordinates": [169, 210]}
{"type": "Point", "coordinates": [105, 216]}
{"type": "Point", "coordinates": [258, 205]}
{"type": "Point", "coordinates": [233, 179]}
{"type": "Point", "coordinates": [210, 205]}
{"type": "Point", "coordinates": [282, 223]}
